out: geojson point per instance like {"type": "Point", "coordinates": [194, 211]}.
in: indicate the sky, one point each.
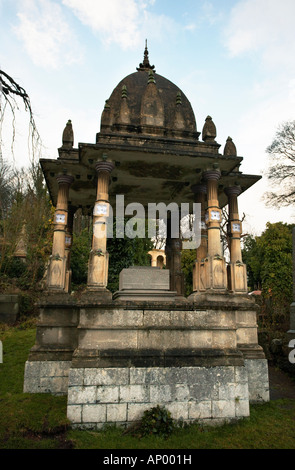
{"type": "Point", "coordinates": [233, 59]}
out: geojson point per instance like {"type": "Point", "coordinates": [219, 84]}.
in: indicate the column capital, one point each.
{"type": "Point", "coordinates": [199, 188]}
{"type": "Point", "coordinates": [104, 166]}
{"type": "Point", "coordinates": [233, 190]}
{"type": "Point", "coordinates": [212, 175]}
{"type": "Point", "coordinates": [65, 179]}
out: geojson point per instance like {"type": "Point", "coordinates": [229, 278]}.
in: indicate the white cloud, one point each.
{"type": "Point", "coordinates": [264, 26]}
{"type": "Point", "coordinates": [123, 22]}
{"type": "Point", "coordinates": [46, 35]}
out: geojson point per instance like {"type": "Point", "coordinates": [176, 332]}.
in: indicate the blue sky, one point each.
{"type": "Point", "coordinates": [234, 60]}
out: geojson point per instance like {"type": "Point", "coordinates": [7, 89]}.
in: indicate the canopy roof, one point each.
{"type": "Point", "coordinates": [148, 130]}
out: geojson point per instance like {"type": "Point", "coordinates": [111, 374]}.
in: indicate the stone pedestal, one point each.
{"type": "Point", "coordinates": [199, 359]}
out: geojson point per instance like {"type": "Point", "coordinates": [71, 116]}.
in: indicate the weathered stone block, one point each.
{"type": "Point", "coordinates": [223, 409]}
{"type": "Point", "coordinates": [81, 395]}
{"type": "Point", "coordinates": [108, 339]}
{"type": "Point", "coordinates": [242, 408]}
{"type": "Point", "coordinates": [180, 392]}
{"type": "Point", "coordinates": [247, 336]}
{"type": "Point", "coordinates": [55, 368]}
{"type": "Point", "coordinates": [110, 318]}
{"type": "Point", "coordinates": [178, 410]}
{"type": "Point", "coordinates": [203, 391]}
{"type": "Point", "coordinates": [108, 376]}
{"type": "Point", "coordinates": [200, 410]}
{"type": "Point", "coordinates": [241, 375]}
{"type": "Point", "coordinates": [258, 381]}
{"type": "Point", "coordinates": [107, 394]}
{"type": "Point", "coordinates": [134, 393]}
{"type": "Point", "coordinates": [94, 413]}
{"type": "Point", "coordinates": [74, 413]}
{"type": "Point", "coordinates": [174, 339]}
{"type": "Point", "coordinates": [116, 413]}
{"type": "Point", "coordinates": [136, 410]}
{"type": "Point", "coordinates": [76, 377]}
{"type": "Point", "coordinates": [227, 392]}
{"type": "Point", "coordinates": [160, 393]}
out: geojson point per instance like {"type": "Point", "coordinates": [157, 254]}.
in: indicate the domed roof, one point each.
{"type": "Point", "coordinates": [147, 103]}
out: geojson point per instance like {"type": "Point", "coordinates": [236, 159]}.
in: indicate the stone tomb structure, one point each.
{"type": "Point", "coordinates": [118, 355]}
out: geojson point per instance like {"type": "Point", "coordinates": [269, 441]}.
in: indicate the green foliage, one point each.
{"type": "Point", "coordinates": [156, 421]}
{"type": "Point", "coordinates": [188, 258]}
{"type": "Point", "coordinates": [26, 223]}
{"type": "Point", "coordinates": [79, 257]}
{"type": "Point", "coordinates": [269, 263]}
{"type": "Point", "coordinates": [123, 253]}
{"type": "Point", "coordinates": [126, 252]}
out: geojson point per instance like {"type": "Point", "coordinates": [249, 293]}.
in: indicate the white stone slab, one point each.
{"type": "Point", "coordinates": [144, 278]}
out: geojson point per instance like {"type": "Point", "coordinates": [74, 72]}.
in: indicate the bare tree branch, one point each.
{"type": "Point", "coordinates": [281, 171]}
{"type": "Point", "coordinates": [10, 91]}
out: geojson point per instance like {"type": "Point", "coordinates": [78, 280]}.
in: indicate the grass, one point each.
{"type": "Point", "coordinates": [39, 421]}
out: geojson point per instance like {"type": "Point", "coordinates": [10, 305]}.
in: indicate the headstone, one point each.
{"type": "Point", "coordinates": [9, 308]}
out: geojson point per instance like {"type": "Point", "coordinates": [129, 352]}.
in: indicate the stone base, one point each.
{"type": "Point", "coordinates": [198, 358]}
{"type": "Point", "coordinates": [120, 395]}
{"type": "Point", "coordinates": [145, 295]}
{"type": "Point", "coordinates": [258, 380]}
{"type": "Point", "coordinates": [47, 377]}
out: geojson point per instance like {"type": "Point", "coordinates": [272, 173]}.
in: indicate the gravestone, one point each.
{"type": "Point", "coordinates": [9, 308]}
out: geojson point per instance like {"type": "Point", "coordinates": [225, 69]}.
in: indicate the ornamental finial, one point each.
{"type": "Point", "coordinates": [145, 65]}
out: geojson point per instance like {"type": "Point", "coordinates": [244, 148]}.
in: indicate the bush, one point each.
{"type": "Point", "coordinates": [156, 421]}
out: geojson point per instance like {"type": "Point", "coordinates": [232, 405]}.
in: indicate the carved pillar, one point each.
{"type": "Point", "coordinates": [56, 279]}
{"type": "Point", "coordinates": [173, 261]}
{"type": "Point", "coordinates": [237, 273]}
{"type": "Point", "coordinates": [199, 277]}
{"type": "Point", "coordinates": [99, 257]}
{"type": "Point", "coordinates": [215, 266]}
{"type": "Point", "coordinates": [69, 243]}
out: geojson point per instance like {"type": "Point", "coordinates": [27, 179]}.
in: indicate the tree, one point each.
{"type": "Point", "coordinates": [269, 264]}
{"type": "Point", "coordinates": [123, 253]}
{"type": "Point", "coordinates": [27, 219]}
{"type": "Point", "coordinates": [11, 93]}
{"type": "Point", "coordinates": [281, 172]}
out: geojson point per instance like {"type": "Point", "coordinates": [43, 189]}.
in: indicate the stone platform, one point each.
{"type": "Point", "coordinates": [200, 359]}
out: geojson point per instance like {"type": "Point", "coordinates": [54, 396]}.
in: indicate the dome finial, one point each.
{"type": "Point", "coordinates": [145, 65]}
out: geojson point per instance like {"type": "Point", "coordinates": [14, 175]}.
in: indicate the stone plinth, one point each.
{"type": "Point", "coordinates": [199, 359]}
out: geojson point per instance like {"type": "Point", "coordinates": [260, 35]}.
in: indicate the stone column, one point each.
{"type": "Point", "coordinates": [215, 266]}
{"type": "Point", "coordinates": [99, 257]}
{"type": "Point", "coordinates": [237, 272]}
{"type": "Point", "coordinates": [56, 279]}
{"type": "Point", "coordinates": [173, 261]}
{"type": "Point", "coordinates": [199, 279]}
{"type": "Point", "coordinates": [69, 243]}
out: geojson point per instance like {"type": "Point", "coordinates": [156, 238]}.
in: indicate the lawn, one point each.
{"type": "Point", "coordinates": [39, 421]}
